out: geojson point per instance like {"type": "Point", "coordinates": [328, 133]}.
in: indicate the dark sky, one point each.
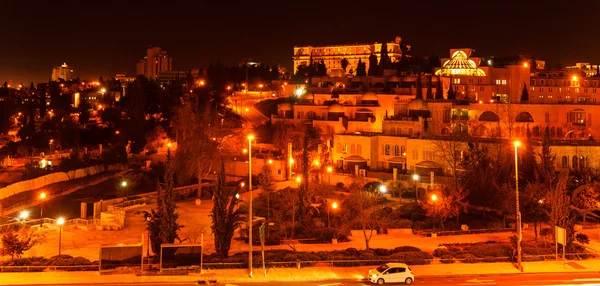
{"type": "Point", "coordinates": [110, 36]}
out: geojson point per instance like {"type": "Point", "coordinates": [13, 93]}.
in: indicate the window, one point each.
{"type": "Point", "coordinates": [565, 162]}
{"type": "Point", "coordinates": [547, 117]}
{"type": "Point", "coordinates": [479, 80]}
{"type": "Point", "coordinates": [457, 81]}
{"type": "Point", "coordinates": [352, 149]}
{"type": "Point", "coordinates": [415, 154]}
{"type": "Point", "coordinates": [358, 150]}
{"type": "Point", "coordinates": [387, 149]}
{"type": "Point", "coordinates": [345, 150]}
{"type": "Point", "coordinates": [471, 81]}
{"type": "Point", "coordinates": [403, 150]}
{"type": "Point", "coordinates": [574, 162]}
{"type": "Point", "coordinates": [503, 82]}
{"type": "Point", "coordinates": [396, 150]}
{"type": "Point", "coordinates": [428, 155]}
{"type": "Point", "coordinates": [481, 88]}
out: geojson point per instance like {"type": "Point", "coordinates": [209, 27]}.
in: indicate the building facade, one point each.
{"type": "Point", "coordinates": [155, 62]}
{"type": "Point", "coordinates": [333, 55]}
{"type": "Point", "coordinates": [383, 123]}
{"type": "Point", "coordinates": [61, 72]}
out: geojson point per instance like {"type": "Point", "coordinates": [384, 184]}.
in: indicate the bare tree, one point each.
{"type": "Point", "coordinates": [360, 209]}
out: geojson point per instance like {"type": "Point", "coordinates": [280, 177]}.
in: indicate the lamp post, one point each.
{"type": "Point", "coordinates": [123, 185]}
{"type": "Point", "coordinates": [434, 199]}
{"type": "Point", "coordinates": [250, 138]}
{"type": "Point", "coordinates": [329, 170]}
{"type": "Point", "coordinates": [42, 197]}
{"type": "Point", "coordinates": [148, 242]}
{"type": "Point", "coordinates": [518, 213]}
{"type": "Point", "coordinates": [60, 221]}
{"type": "Point", "coordinates": [416, 179]}
{"type": "Point", "coordinates": [298, 180]}
{"type": "Point", "coordinates": [23, 215]}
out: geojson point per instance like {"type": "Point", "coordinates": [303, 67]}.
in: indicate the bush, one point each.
{"type": "Point", "coordinates": [483, 250]}
{"type": "Point", "coordinates": [400, 223]}
{"type": "Point", "coordinates": [408, 195]}
{"type": "Point", "coordinates": [339, 185]}
{"type": "Point", "coordinates": [528, 250]}
{"type": "Point", "coordinates": [582, 238]}
{"type": "Point", "coordinates": [382, 251]}
{"type": "Point", "coordinates": [447, 259]}
{"type": "Point", "coordinates": [439, 252]}
{"type": "Point", "coordinates": [490, 259]}
{"type": "Point", "coordinates": [367, 255]}
{"type": "Point", "coordinates": [470, 258]}
{"type": "Point", "coordinates": [405, 249]}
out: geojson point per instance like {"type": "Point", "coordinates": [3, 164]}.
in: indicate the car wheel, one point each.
{"type": "Point", "coordinates": [380, 281]}
{"type": "Point", "coordinates": [408, 281]}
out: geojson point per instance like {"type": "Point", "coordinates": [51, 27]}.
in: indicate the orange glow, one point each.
{"type": "Point", "coordinates": [250, 137]}
{"type": "Point", "coordinates": [575, 78]}
{"type": "Point", "coordinates": [334, 205]}
{"type": "Point", "coordinates": [42, 195]}
{"type": "Point", "coordinates": [117, 132]}
{"type": "Point", "coordinates": [434, 197]}
{"type": "Point", "coordinates": [270, 161]}
{"type": "Point", "coordinates": [329, 169]}
{"type": "Point", "coordinates": [260, 85]}
{"type": "Point", "coordinates": [517, 143]}
{"type": "Point", "coordinates": [525, 65]}
{"type": "Point", "coordinates": [245, 150]}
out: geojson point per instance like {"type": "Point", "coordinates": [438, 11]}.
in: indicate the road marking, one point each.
{"type": "Point", "coordinates": [586, 279]}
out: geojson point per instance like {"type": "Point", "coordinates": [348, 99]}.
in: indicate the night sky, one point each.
{"type": "Point", "coordinates": [110, 36]}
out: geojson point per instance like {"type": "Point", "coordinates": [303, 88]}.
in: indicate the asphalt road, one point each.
{"type": "Point", "coordinates": [505, 279]}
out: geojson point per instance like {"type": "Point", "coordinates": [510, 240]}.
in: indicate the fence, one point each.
{"type": "Point", "coordinates": [461, 232]}
{"type": "Point", "coordinates": [33, 222]}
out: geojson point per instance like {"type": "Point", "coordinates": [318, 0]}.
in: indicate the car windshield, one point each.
{"type": "Point", "coordinates": [382, 268]}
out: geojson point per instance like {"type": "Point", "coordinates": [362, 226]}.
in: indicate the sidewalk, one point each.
{"type": "Point", "coordinates": [292, 274]}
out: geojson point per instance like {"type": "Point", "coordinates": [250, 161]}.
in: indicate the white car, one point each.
{"type": "Point", "coordinates": [391, 273]}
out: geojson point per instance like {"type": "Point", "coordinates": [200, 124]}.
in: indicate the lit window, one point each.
{"type": "Point", "coordinates": [504, 82]}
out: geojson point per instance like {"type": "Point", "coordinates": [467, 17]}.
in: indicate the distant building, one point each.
{"type": "Point", "coordinates": [155, 62]}
{"type": "Point", "coordinates": [333, 55]}
{"type": "Point", "coordinates": [170, 76]}
{"type": "Point", "coordinates": [61, 72]}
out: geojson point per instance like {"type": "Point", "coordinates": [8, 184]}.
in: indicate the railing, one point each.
{"type": "Point", "coordinates": [129, 203]}
{"type": "Point", "coordinates": [461, 232]}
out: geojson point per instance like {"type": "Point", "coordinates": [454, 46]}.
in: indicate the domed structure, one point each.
{"type": "Point", "coordinates": [286, 106]}
{"type": "Point", "coordinates": [336, 108]}
{"type": "Point", "coordinates": [418, 104]}
{"type": "Point", "coordinates": [418, 108]}
{"type": "Point", "coordinates": [369, 96]}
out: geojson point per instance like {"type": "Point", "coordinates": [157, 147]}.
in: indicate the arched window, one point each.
{"type": "Point", "coordinates": [574, 162]}
{"type": "Point", "coordinates": [524, 117]}
{"type": "Point", "coordinates": [565, 162]}
{"type": "Point", "coordinates": [387, 149]}
{"type": "Point", "coordinates": [403, 150]}
{"type": "Point", "coordinates": [352, 149]}
{"type": "Point", "coordinates": [547, 117]}
{"type": "Point", "coordinates": [396, 150]}
{"type": "Point", "coordinates": [358, 150]}
{"type": "Point", "coordinates": [587, 161]}
{"type": "Point", "coordinates": [536, 131]}
{"type": "Point", "coordinates": [582, 164]}
{"type": "Point", "coordinates": [489, 116]}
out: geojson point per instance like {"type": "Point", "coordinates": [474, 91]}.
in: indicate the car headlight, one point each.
{"type": "Point", "coordinates": [373, 275]}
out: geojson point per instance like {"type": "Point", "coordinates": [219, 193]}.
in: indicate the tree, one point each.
{"type": "Point", "coordinates": [429, 94]}
{"type": "Point", "coordinates": [360, 209]}
{"type": "Point", "coordinates": [385, 62]}
{"type": "Point", "coordinates": [419, 94]}
{"type": "Point", "coordinates": [321, 69]}
{"type": "Point", "coordinates": [450, 202]}
{"type": "Point", "coordinates": [344, 64]}
{"type": "Point", "coordinates": [15, 243]}
{"type": "Point", "coordinates": [161, 222]}
{"type": "Point", "coordinates": [373, 68]}
{"type": "Point", "coordinates": [225, 217]}
{"type": "Point", "coordinates": [84, 111]}
{"type": "Point", "coordinates": [524, 94]}
{"type": "Point", "coordinates": [451, 92]}
{"type": "Point", "coordinates": [439, 92]}
{"type": "Point", "coordinates": [265, 181]}
{"type": "Point", "coordinates": [361, 68]}
{"type": "Point", "coordinates": [137, 115]}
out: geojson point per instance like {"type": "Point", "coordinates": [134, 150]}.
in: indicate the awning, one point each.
{"type": "Point", "coordinates": [428, 165]}
{"type": "Point", "coordinates": [397, 160]}
{"type": "Point", "coordinates": [355, 158]}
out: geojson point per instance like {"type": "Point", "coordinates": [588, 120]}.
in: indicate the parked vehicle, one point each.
{"type": "Point", "coordinates": [391, 273]}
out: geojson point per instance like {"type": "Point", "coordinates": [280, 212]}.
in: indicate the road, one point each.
{"type": "Point", "coordinates": [504, 279]}
{"type": "Point", "coordinates": [245, 107]}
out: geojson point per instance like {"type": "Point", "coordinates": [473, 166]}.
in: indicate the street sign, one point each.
{"type": "Point", "coordinates": [561, 235]}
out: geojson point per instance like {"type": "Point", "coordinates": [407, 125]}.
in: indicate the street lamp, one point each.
{"type": "Point", "coordinates": [383, 189]}
{"type": "Point", "coordinates": [42, 197]}
{"type": "Point", "coordinates": [23, 215]}
{"type": "Point", "coordinates": [298, 180]}
{"type": "Point", "coordinates": [434, 199]}
{"type": "Point", "coordinates": [329, 170]}
{"type": "Point", "coordinates": [124, 185]}
{"type": "Point", "coordinates": [60, 221]}
{"type": "Point", "coordinates": [518, 213]}
{"type": "Point", "coordinates": [250, 138]}
{"type": "Point", "coordinates": [416, 179]}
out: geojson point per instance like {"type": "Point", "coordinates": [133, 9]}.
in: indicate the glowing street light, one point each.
{"type": "Point", "coordinates": [329, 170]}
{"type": "Point", "coordinates": [415, 178]}
{"type": "Point", "coordinates": [60, 221]}
{"type": "Point", "coordinates": [242, 184]}
{"type": "Point", "coordinates": [383, 189]}
{"type": "Point", "coordinates": [519, 231]}
{"type": "Point", "coordinates": [270, 161]}
{"type": "Point", "coordinates": [42, 198]}
{"type": "Point", "coordinates": [291, 161]}
{"type": "Point", "coordinates": [245, 150]}
{"type": "Point", "coordinates": [334, 205]}
{"type": "Point", "coordinates": [124, 184]}
{"type": "Point", "coordinates": [250, 216]}
{"type": "Point", "coordinates": [103, 91]}
{"type": "Point", "coordinates": [316, 162]}
{"type": "Point", "coordinates": [434, 197]}
{"type": "Point", "coordinates": [525, 64]}
{"type": "Point", "coordinates": [24, 215]}
{"type": "Point", "coordinates": [575, 78]}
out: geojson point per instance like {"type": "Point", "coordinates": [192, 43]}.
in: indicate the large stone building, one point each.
{"type": "Point", "coordinates": [333, 55]}
{"type": "Point", "coordinates": [378, 123]}
{"type": "Point", "coordinates": [61, 72]}
{"type": "Point", "coordinates": [155, 62]}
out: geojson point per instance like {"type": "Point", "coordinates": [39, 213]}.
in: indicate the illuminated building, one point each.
{"type": "Point", "coordinates": [378, 124]}
{"type": "Point", "coordinates": [61, 72]}
{"type": "Point", "coordinates": [333, 55]}
{"type": "Point", "coordinates": [155, 62]}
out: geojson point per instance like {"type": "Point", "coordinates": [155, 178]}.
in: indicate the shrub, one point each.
{"type": "Point", "coordinates": [405, 249]}
{"type": "Point", "coordinates": [439, 252]}
{"type": "Point", "coordinates": [538, 250]}
{"type": "Point", "coordinates": [339, 185]}
{"type": "Point", "coordinates": [367, 255]}
{"type": "Point", "coordinates": [352, 252]}
{"type": "Point", "coordinates": [470, 258]}
{"type": "Point", "coordinates": [582, 238]}
{"type": "Point", "coordinates": [483, 250]}
{"type": "Point", "coordinates": [412, 257]}
{"type": "Point", "coordinates": [447, 259]}
{"type": "Point", "coordinates": [408, 195]}
{"type": "Point", "coordinates": [529, 258]}
{"type": "Point", "coordinates": [490, 259]}
{"type": "Point", "coordinates": [382, 252]}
